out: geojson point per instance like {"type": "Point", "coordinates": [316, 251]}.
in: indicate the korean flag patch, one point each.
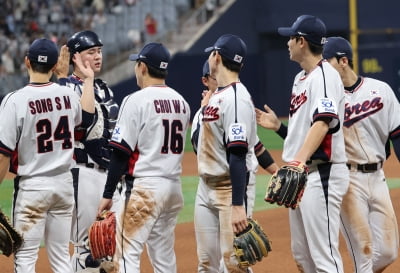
{"type": "Point", "coordinates": [237, 132]}
{"type": "Point", "coordinates": [117, 134]}
{"type": "Point", "coordinates": [326, 105]}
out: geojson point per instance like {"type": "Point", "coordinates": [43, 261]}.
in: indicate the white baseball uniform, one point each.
{"type": "Point", "coordinates": [372, 115]}
{"type": "Point", "coordinates": [151, 128]}
{"type": "Point", "coordinates": [212, 216]}
{"type": "Point", "coordinates": [314, 225]}
{"type": "Point", "coordinates": [38, 122]}
{"type": "Point", "coordinates": [251, 163]}
{"type": "Point", "coordinates": [92, 156]}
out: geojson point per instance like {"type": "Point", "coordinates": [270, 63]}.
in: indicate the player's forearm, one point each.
{"type": "Point", "coordinates": [273, 168]}
{"type": "Point", "coordinates": [117, 168]}
{"type": "Point", "coordinates": [4, 166]}
{"type": "Point", "coordinates": [87, 98]}
{"type": "Point", "coordinates": [313, 140]}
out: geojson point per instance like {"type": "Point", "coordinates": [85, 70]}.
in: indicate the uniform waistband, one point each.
{"type": "Point", "coordinates": [313, 165]}
{"type": "Point", "coordinates": [365, 168]}
{"type": "Point", "coordinates": [216, 180]}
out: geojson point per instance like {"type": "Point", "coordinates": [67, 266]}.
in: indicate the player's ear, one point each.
{"type": "Point", "coordinates": [204, 81]}
{"type": "Point", "coordinates": [27, 62]}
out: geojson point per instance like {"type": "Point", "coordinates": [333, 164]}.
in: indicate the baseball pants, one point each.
{"type": "Point", "coordinates": [43, 209]}
{"type": "Point", "coordinates": [314, 225]}
{"type": "Point", "coordinates": [213, 227]}
{"type": "Point", "coordinates": [89, 186]}
{"type": "Point", "coordinates": [147, 216]}
{"type": "Point", "coordinates": [369, 223]}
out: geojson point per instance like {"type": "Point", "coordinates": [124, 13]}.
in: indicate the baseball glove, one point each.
{"type": "Point", "coordinates": [251, 245]}
{"type": "Point", "coordinates": [287, 185]}
{"type": "Point", "coordinates": [10, 239]}
{"type": "Point", "coordinates": [102, 236]}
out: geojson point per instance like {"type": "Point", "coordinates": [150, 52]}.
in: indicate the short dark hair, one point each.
{"type": "Point", "coordinates": [350, 61]}
{"type": "Point", "coordinates": [230, 65]}
{"type": "Point", "coordinates": [41, 68]}
{"type": "Point", "coordinates": [154, 72]}
{"type": "Point", "coordinates": [314, 48]}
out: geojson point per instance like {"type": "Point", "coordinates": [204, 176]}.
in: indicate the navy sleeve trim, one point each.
{"type": "Point", "coordinates": [238, 174]}
{"type": "Point", "coordinates": [5, 150]}
{"type": "Point", "coordinates": [395, 133]}
{"type": "Point", "coordinates": [282, 131]}
{"type": "Point", "coordinates": [123, 146]}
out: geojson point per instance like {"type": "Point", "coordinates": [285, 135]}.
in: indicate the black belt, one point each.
{"type": "Point", "coordinates": [365, 168]}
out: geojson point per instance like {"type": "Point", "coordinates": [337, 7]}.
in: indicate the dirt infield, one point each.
{"type": "Point", "coordinates": [274, 222]}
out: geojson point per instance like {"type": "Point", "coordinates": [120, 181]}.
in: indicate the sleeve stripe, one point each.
{"type": "Point", "coordinates": [121, 147]}
{"type": "Point", "coordinates": [4, 150]}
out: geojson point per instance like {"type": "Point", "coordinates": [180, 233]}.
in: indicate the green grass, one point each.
{"type": "Point", "coordinates": [189, 187]}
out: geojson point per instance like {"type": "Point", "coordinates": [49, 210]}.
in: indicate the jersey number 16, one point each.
{"type": "Point", "coordinates": [173, 138]}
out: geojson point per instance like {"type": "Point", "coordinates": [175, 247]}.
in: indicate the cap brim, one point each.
{"type": "Point", "coordinates": [286, 31]}
{"type": "Point", "coordinates": [209, 49]}
{"type": "Point", "coordinates": [133, 57]}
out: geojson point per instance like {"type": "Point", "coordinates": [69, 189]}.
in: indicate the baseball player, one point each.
{"type": "Point", "coordinates": [372, 117]}
{"type": "Point", "coordinates": [314, 137]}
{"type": "Point", "coordinates": [224, 136]}
{"type": "Point", "coordinates": [148, 145]}
{"type": "Point", "coordinates": [37, 122]}
{"type": "Point", "coordinates": [92, 152]}
{"type": "Point", "coordinates": [258, 154]}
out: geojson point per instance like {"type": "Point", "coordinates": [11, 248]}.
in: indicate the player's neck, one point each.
{"type": "Point", "coordinates": [227, 77]}
{"type": "Point", "coordinates": [152, 82]}
{"type": "Point", "coordinates": [349, 78]}
{"type": "Point", "coordinates": [35, 77]}
{"type": "Point", "coordinates": [310, 63]}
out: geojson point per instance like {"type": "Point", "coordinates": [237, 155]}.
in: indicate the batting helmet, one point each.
{"type": "Point", "coordinates": [83, 40]}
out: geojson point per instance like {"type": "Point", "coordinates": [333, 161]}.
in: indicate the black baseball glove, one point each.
{"type": "Point", "coordinates": [10, 239]}
{"type": "Point", "coordinates": [287, 185]}
{"type": "Point", "coordinates": [251, 245]}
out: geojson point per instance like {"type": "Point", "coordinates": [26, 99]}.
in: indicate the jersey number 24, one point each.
{"type": "Point", "coordinates": [46, 136]}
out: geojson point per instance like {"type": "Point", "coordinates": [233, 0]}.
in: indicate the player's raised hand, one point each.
{"type": "Point", "coordinates": [62, 67]}
{"type": "Point", "coordinates": [206, 97]}
{"type": "Point", "coordinates": [84, 67]}
{"type": "Point", "coordinates": [267, 119]}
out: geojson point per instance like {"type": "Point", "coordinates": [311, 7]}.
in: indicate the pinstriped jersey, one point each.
{"type": "Point", "coordinates": [38, 121]}
{"type": "Point", "coordinates": [372, 115]}
{"type": "Point", "coordinates": [151, 128]}
{"type": "Point", "coordinates": [228, 120]}
{"type": "Point", "coordinates": [318, 94]}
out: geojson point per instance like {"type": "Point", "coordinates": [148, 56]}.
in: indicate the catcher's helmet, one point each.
{"type": "Point", "coordinates": [83, 40]}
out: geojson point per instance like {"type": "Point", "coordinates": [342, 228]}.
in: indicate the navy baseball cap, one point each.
{"type": "Point", "coordinates": [43, 51]}
{"type": "Point", "coordinates": [310, 27]}
{"type": "Point", "coordinates": [337, 47]}
{"type": "Point", "coordinates": [231, 47]}
{"type": "Point", "coordinates": [153, 54]}
{"type": "Point", "coordinates": [206, 69]}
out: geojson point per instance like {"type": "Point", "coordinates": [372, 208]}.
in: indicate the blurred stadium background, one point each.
{"type": "Point", "coordinates": [186, 27]}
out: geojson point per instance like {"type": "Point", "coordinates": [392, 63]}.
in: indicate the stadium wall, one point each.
{"type": "Point", "coordinates": [268, 73]}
